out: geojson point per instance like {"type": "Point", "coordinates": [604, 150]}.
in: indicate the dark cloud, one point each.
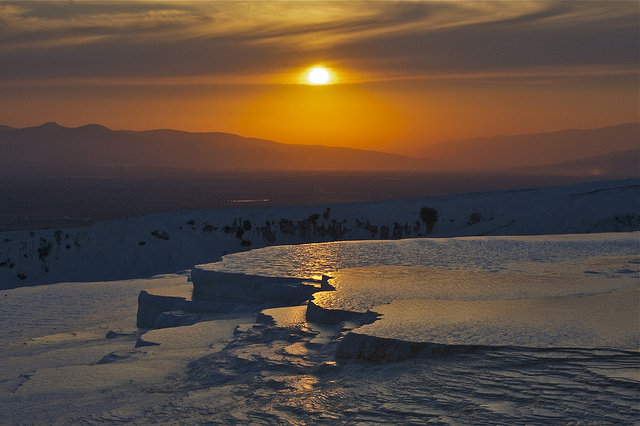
{"type": "Point", "coordinates": [505, 45]}
{"type": "Point", "coordinates": [140, 40]}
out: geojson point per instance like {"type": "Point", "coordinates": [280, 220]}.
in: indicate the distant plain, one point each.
{"type": "Point", "coordinates": [64, 202]}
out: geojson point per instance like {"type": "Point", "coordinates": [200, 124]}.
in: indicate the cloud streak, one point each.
{"type": "Point", "coordinates": [245, 42]}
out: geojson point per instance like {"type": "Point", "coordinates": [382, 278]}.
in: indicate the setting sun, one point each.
{"type": "Point", "coordinates": [318, 76]}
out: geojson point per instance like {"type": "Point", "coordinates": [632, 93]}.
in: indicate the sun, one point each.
{"type": "Point", "coordinates": [318, 76]}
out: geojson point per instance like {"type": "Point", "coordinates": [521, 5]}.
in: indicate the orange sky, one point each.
{"type": "Point", "coordinates": [406, 73]}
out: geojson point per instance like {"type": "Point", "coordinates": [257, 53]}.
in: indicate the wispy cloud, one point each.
{"type": "Point", "coordinates": [237, 41]}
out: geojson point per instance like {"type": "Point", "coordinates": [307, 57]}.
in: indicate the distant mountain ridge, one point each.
{"type": "Point", "coordinates": [531, 150]}
{"type": "Point", "coordinates": [93, 145]}
{"type": "Point", "coordinates": [609, 151]}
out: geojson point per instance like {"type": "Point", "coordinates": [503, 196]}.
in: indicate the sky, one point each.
{"type": "Point", "coordinates": [404, 74]}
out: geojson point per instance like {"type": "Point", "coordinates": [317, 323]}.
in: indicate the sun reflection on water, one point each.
{"type": "Point", "coordinates": [477, 254]}
{"type": "Point", "coordinates": [370, 273]}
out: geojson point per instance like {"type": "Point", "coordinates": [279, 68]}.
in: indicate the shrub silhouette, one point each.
{"type": "Point", "coordinates": [474, 218]}
{"type": "Point", "coordinates": [429, 216]}
{"type": "Point", "coordinates": [163, 235]}
{"type": "Point", "coordinates": [44, 249]}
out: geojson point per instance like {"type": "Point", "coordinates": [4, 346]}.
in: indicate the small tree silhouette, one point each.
{"type": "Point", "coordinates": [429, 216]}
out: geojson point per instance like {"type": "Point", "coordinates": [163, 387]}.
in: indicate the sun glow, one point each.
{"type": "Point", "coordinates": [330, 115]}
{"type": "Point", "coordinates": [318, 76]}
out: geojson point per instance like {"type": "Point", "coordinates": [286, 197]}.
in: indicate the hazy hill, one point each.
{"type": "Point", "coordinates": [54, 147]}
{"type": "Point", "coordinates": [94, 150]}
{"type": "Point", "coordinates": [510, 152]}
{"type": "Point", "coordinates": [618, 164]}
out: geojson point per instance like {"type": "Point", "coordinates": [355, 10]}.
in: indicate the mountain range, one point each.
{"type": "Point", "coordinates": [51, 147]}
{"type": "Point", "coordinates": [531, 150]}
